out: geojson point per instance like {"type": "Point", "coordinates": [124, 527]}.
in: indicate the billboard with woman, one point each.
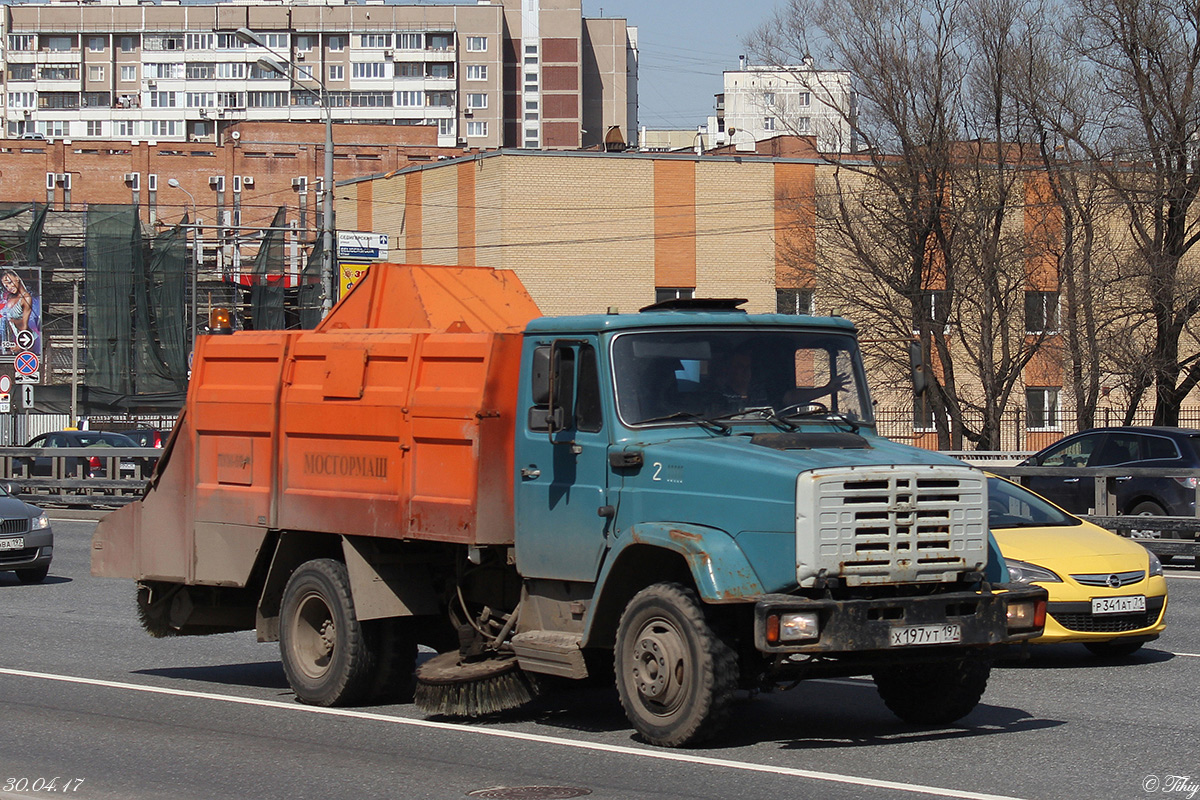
{"type": "Point", "coordinates": [20, 312]}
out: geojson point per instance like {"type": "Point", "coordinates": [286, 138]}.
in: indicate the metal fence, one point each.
{"type": "Point", "coordinates": [1015, 432]}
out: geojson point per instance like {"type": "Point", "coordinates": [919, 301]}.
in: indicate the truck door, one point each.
{"type": "Point", "coordinates": [562, 465]}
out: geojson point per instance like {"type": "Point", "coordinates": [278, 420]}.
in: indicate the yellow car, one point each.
{"type": "Point", "coordinates": [1106, 592]}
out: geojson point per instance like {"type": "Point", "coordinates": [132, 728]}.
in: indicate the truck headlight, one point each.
{"type": "Point", "coordinates": [794, 626]}
{"type": "Point", "coordinates": [1024, 572]}
{"type": "Point", "coordinates": [1026, 615]}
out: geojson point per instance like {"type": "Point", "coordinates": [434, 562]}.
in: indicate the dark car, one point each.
{"type": "Point", "coordinates": [87, 467]}
{"type": "Point", "coordinates": [26, 541]}
{"type": "Point", "coordinates": [1151, 448]}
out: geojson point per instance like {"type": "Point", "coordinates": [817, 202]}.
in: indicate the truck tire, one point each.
{"type": "Point", "coordinates": [933, 694]}
{"type": "Point", "coordinates": [327, 653]}
{"type": "Point", "coordinates": [675, 676]}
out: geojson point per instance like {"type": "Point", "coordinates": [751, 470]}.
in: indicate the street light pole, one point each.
{"type": "Point", "coordinates": [174, 184]}
{"type": "Point", "coordinates": [285, 66]}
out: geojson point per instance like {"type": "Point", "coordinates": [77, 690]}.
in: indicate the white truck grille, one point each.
{"type": "Point", "coordinates": [886, 524]}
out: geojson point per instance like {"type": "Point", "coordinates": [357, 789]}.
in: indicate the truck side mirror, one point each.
{"type": "Point", "coordinates": [916, 361]}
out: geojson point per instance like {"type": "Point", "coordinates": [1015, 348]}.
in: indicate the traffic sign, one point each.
{"type": "Point", "coordinates": [27, 396]}
{"type": "Point", "coordinates": [25, 339]}
{"type": "Point", "coordinates": [5, 404]}
{"type": "Point", "coordinates": [26, 363]}
{"type": "Point", "coordinates": [5, 384]}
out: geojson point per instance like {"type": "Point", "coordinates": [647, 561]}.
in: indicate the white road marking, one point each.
{"type": "Point", "coordinates": [1181, 576]}
{"type": "Point", "coordinates": [1187, 655]}
{"type": "Point", "coordinates": [657, 755]}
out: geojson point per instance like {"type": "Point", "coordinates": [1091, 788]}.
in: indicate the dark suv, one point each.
{"type": "Point", "coordinates": [1122, 447]}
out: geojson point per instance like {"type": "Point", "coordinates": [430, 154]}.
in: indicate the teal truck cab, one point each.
{"type": "Point", "coordinates": [702, 493]}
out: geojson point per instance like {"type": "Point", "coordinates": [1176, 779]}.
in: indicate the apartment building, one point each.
{"type": "Point", "coordinates": [764, 102]}
{"type": "Point", "coordinates": [517, 73]}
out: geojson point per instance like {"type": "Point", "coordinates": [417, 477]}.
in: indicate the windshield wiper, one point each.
{"type": "Point", "coordinates": [813, 409]}
{"type": "Point", "coordinates": [764, 412]}
{"type": "Point", "coordinates": [699, 419]}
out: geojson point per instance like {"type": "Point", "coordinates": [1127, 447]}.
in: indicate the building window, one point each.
{"type": "Point", "coordinates": [410, 99]}
{"type": "Point", "coordinates": [304, 44]}
{"type": "Point", "coordinates": [21, 72]}
{"type": "Point", "coordinates": [337, 44]}
{"type": "Point", "coordinates": [477, 72]}
{"type": "Point", "coordinates": [768, 99]}
{"type": "Point", "coordinates": [22, 100]}
{"type": "Point", "coordinates": [58, 100]}
{"type": "Point", "coordinates": [162, 99]}
{"type": "Point", "coordinates": [54, 128]}
{"type": "Point", "coordinates": [95, 73]}
{"type": "Point", "coordinates": [164, 127]}
{"type": "Point", "coordinates": [96, 44]}
{"type": "Point", "coordinates": [1041, 406]}
{"type": "Point", "coordinates": [439, 99]}
{"type": "Point", "coordinates": [199, 41]}
{"type": "Point", "coordinates": [476, 44]}
{"type": "Point", "coordinates": [201, 99]}
{"type": "Point", "coordinates": [97, 99]}
{"type": "Point", "coordinates": [337, 72]}
{"type": "Point", "coordinates": [232, 69]}
{"type": "Point", "coordinates": [445, 127]}
{"type": "Point", "coordinates": [934, 309]}
{"type": "Point", "coordinates": [59, 44]}
{"type": "Point", "coordinates": [95, 127]}
{"type": "Point", "coordinates": [479, 100]}
{"type": "Point", "coordinates": [410, 41]}
{"type": "Point", "coordinates": [21, 41]}
{"type": "Point", "coordinates": [477, 129]}
{"type": "Point", "coordinates": [59, 72]}
{"type": "Point", "coordinates": [803, 125]}
{"type": "Point", "coordinates": [441, 71]}
{"type": "Point", "coordinates": [440, 41]}
{"type": "Point", "coordinates": [1041, 312]}
{"type": "Point", "coordinates": [267, 99]}
{"type": "Point", "coordinates": [665, 293]}
{"type": "Point", "coordinates": [305, 72]}
{"type": "Point", "coordinates": [768, 123]}
{"type": "Point", "coordinates": [279, 41]}
{"type": "Point", "coordinates": [794, 301]}
{"type": "Point", "coordinates": [129, 44]}
{"type": "Point", "coordinates": [374, 39]}
{"type": "Point", "coordinates": [125, 127]}
{"type": "Point", "coordinates": [231, 100]}
{"type": "Point", "coordinates": [371, 69]}
{"type": "Point", "coordinates": [804, 99]}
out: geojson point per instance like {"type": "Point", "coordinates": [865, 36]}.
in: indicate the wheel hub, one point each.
{"type": "Point", "coordinates": [658, 670]}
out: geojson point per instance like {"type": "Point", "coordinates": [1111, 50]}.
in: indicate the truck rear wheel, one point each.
{"type": "Point", "coordinates": [933, 694]}
{"type": "Point", "coordinates": [675, 676]}
{"type": "Point", "coordinates": [326, 651]}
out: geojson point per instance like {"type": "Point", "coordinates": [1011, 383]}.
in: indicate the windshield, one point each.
{"type": "Point", "coordinates": [707, 374]}
{"type": "Point", "coordinates": [1013, 506]}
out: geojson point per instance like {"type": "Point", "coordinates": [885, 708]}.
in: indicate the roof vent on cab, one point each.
{"type": "Point", "coordinates": [698, 304]}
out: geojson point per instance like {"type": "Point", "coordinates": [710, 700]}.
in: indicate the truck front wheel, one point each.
{"type": "Point", "coordinates": [933, 694]}
{"type": "Point", "coordinates": [325, 649]}
{"type": "Point", "coordinates": [675, 676]}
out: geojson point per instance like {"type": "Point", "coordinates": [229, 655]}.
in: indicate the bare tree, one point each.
{"type": "Point", "coordinates": [1143, 57]}
{"type": "Point", "coordinates": [924, 228]}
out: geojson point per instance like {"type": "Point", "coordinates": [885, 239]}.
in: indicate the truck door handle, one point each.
{"type": "Point", "coordinates": [1070, 480]}
{"type": "Point", "coordinates": [1124, 478]}
{"type": "Point", "coordinates": [530, 473]}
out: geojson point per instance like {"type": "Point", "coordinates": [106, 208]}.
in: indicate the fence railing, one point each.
{"type": "Point", "coordinates": [78, 476]}
{"type": "Point", "coordinates": [1016, 434]}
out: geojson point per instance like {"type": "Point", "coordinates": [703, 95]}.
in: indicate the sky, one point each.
{"type": "Point", "coordinates": [684, 47]}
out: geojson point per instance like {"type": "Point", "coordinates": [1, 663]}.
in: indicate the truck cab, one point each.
{"type": "Point", "coordinates": [731, 461]}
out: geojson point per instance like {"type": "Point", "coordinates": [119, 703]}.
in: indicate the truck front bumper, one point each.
{"type": "Point", "coordinates": [952, 619]}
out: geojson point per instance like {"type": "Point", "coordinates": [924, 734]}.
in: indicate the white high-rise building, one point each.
{"type": "Point", "coordinates": [763, 102]}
